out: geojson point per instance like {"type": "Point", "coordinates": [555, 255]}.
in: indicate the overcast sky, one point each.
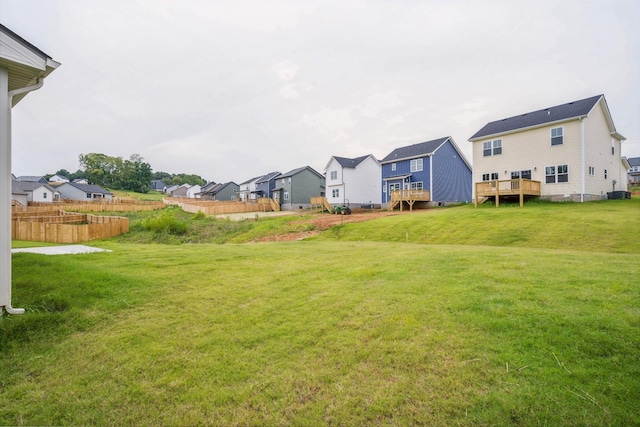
{"type": "Point", "coordinates": [230, 90]}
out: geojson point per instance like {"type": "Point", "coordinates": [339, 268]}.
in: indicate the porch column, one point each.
{"type": "Point", "coordinates": [5, 191]}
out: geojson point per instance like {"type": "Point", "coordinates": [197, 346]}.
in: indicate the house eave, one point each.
{"type": "Point", "coordinates": [509, 132]}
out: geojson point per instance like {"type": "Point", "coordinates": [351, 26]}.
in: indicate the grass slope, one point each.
{"type": "Point", "coordinates": [330, 332]}
{"type": "Point", "coordinates": [607, 226]}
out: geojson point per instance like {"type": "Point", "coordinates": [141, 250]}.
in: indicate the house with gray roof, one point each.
{"type": "Point", "coordinates": [633, 173]}
{"type": "Point", "coordinates": [248, 189]}
{"type": "Point", "coordinates": [266, 184]}
{"type": "Point", "coordinates": [427, 173]}
{"type": "Point", "coordinates": [293, 190]}
{"type": "Point", "coordinates": [570, 151]}
{"type": "Point", "coordinates": [28, 178]}
{"type": "Point", "coordinates": [354, 182]}
{"type": "Point", "coordinates": [222, 191]}
{"type": "Point", "coordinates": [83, 192]}
{"type": "Point", "coordinates": [29, 191]}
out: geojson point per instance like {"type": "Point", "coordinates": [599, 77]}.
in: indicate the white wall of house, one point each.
{"type": "Point", "coordinates": [41, 194]}
{"type": "Point", "coordinates": [193, 191]}
{"type": "Point", "coordinates": [532, 150]}
{"type": "Point", "coordinates": [355, 186]}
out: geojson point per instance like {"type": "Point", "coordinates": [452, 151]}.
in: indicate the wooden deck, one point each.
{"type": "Point", "coordinates": [510, 187]}
{"type": "Point", "coordinates": [398, 197]}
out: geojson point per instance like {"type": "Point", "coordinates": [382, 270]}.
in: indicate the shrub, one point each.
{"type": "Point", "coordinates": [165, 223]}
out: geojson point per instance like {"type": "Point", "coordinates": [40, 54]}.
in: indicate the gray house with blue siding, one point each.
{"type": "Point", "coordinates": [436, 170]}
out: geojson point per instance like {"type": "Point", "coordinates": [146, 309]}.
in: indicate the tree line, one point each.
{"type": "Point", "coordinates": [117, 173]}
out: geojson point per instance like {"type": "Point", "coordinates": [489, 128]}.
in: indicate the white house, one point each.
{"type": "Point", "coordinates": [28, 191]}
{"type": "Point", "coordinates": [354, 182]}
{"type": "Point", "coordinates": [58, 179]}
{"type": "Point", "coordinates": [567, 152]}
{"type": "Point", "coordinates": [23, 68]}
{"type": "Point", "coordinates": [248, 189]}
{"type": "Point", "coordinates": [193, 192]}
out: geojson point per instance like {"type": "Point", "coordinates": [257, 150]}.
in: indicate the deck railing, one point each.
{"type": "Point", "coordinates": [398, 197]}
{"type": "Point", "coordinates": [509, 187]}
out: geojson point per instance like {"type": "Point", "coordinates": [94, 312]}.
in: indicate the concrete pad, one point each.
{"type": "Point", "coordinates": [60, 250]}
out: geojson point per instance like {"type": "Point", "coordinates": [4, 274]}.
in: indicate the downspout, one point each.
{"type": "Point", "coordinates": [7, 273]}
{"type": "Point", "coordinates": [582, 160]}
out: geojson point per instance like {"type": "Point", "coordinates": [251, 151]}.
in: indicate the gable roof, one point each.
{"type": "Point", "coordinates": [634, 161]}
{"type": "Point", "coordinates": [32, 179]}
{"type": "Point", "coordinates": [218, 187]}
{"type": "Point", "coordinates": [251, 180]}
{"type": "Point", "coordinates": [267, 177]}
{"type": "Point", "coordinates": [23, 187]}
{"type": "Point", "coordinates": [414, 151]}
{"type": "Point", "coordinates": [559, 113]}
{"type": "Point", "coordinates": [298, 170]}
{"type": "Point", "coordinates": [88, 188]}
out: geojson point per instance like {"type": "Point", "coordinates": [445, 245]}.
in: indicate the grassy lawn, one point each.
{"type": "Point", "coordinates": [342, 329]}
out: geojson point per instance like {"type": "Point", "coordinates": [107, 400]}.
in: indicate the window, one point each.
{"type": "Point", "coordinates": [289, 180]}
{"type": "Point", "coordinates": [393, 167]}
{"type": "Point", "coordinates": [334, 175]}
{"type": "Point", "coordinates": [492, 148]}
{"type": "Point", "coordinates": [525, 174]}
{"type": "Point", "coordinates": [490, 176]}
{"type": "Point", "coordinates": [557, 136]}
{"type": "Point", "coordinates": [394, 187]}
{"type": "Point", "coordinates": [592, 171]}
{"type": "Point", "coordinates": [605, 174]}
{"type": "Point", "coordinates": [44, 195]}
{"type": "Point", "coordinates": [286, 195]}
{"type": "Point", "coordinates": [335, 192]}
{"type": "Point", "coordinates": [613, 150]}
{"type": "Point", "coordinates": [416, 185]}
{"type": "Point", "coordinates": [555, 174]}
{"type": "Point", "coordinates": [88, 195]}
{"type": "Point", "coordinates": [416, 165]}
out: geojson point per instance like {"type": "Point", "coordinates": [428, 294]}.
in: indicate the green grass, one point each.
{"type": "Point", "coordinates": [333, 331]}
{"type": "Point", "coordinates": [607, 226]}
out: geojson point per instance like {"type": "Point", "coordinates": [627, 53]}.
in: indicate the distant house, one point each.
{"type": "Point", "coordinates": [266, 184]}
{"type": "Point", "coordinates": [40, 179]}
{"type": "Point", "coordinates": [83, 192]}
{"type": "Point", "coordinates": [80, 181]}
{"type": "Point", "coordinates": [227, 191]}
{"type": "Point", "coordinates": [29, 191]}
{"type": "Point", "coordinates": [157, 185]}
{"type": "Point", "coordinates": [248, 189]}
{"type": "Point", "coordinates": [570, 151]}
{"type": "Point", "coordinates": [58, 179]}
{"type": "Point", "coordinates": [170, 189]}
{"type": "Point", "coordinates": [633, 173]}
{"type": "Point", "coordinates": [431, 172]}
{"type": "Point", "coordinates": [180, 191]}
{"type": "Point", "coordinates": [193, 192]}
{"type": "Point", "coordinates": [354, 182]}
{"type": "Point", "coordinates": [294, 189]}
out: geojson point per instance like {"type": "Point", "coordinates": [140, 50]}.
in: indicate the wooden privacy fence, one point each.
{"type": "Point", "coordinates": [119, 205]}
{"type": "Point", "coordinates": [66, 227]}
{"type": "Point", "coordinates": [218, 207]}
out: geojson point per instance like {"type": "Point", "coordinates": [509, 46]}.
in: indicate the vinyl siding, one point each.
{"type": "Point", "coordinates": [451, 176]}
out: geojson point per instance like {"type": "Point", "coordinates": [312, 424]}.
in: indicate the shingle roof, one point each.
{"type": "Point", "coordinates": [268, 177]}
{"type": "Point", "coordinates": [415, 150]}
{"type": "Point", "coordinates": [298, 170]}
{"type": "Point", "coordinates": [250, 180]}
{"type": "Point", "coordinates": [88, 188]}
{"type": "Point", "coordinates": [350, 163]}
{"type": "Point", "coordinates": [558, 113]}
{"type": "Point", "coordinates": [634, 161]}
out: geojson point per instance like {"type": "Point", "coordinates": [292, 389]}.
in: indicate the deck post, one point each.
{"type": "Point", "coordinates": [497, 194]}
{"type": "Point", "coordinates": [520, 183]}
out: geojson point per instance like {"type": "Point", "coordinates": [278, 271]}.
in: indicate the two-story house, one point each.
{"type": "Point", "coordinates": [248, 189]}
{"type": "Point", "coordinates": [266, 184]}
{"type": "Point", "coordinates": [566, 152]}
{"type": "Point", "coordinates": [633, 173]}
{"type": "Point", "coordinates": [294, 189]}
{"type": "Point", "coordinates": [431, 172]}
{"type": "Point", "coordinates": [353, 182]}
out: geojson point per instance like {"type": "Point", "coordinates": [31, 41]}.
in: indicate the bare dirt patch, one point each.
{"type": "Point", "coordinates": [323, 221]}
